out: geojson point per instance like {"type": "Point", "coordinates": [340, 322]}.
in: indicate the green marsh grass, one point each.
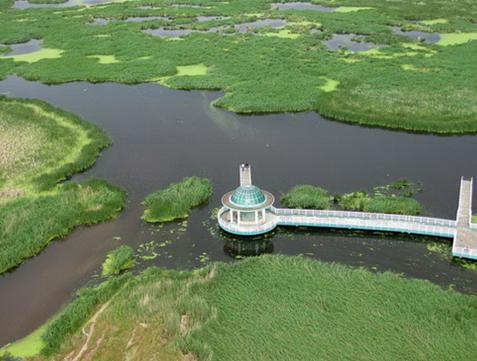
{"type": "Point", "coordinates": [40, 146]}
{"type": "Point", "coordinates": [271, 308]}
{"type": "Point", "coordinates": [176, 201]}
{"type": "Point", "coordinates": [118, 260]}
{"type": "Point", "coordinates": [306, 196]}
{"type": "Point", "coordinates": [281, 72]}
{"type": "Point", "coordinates": [29, 223]}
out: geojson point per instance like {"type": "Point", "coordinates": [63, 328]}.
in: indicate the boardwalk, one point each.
{"type": "Point", "coordinates": [465, 240]}
{"type": "Point", "coordinates": [462, 231]}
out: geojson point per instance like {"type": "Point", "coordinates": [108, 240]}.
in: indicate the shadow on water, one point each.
{"type": "Point", "coordinates": [161, 135]}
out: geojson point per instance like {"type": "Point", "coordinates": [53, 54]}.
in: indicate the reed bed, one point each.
{"type": "Point", "coordinates": [176, 200]}
{"type": "Point", "coordinates": [269, 308]}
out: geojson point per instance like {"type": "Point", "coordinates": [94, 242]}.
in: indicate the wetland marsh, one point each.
{"type": "Point", "coordinates": [197, 88]}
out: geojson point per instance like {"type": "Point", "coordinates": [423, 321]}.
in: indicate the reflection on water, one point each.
{"type": "Point", "coordinates": [162, 135]}
{"type": "Point", "coordinates": [430, 38]}
{"type": "Point", "coordinates": [348, 41]}
{"type": "Point", "coordinates": [302, 6]}
{"type": "Point", "coordinates": [247, 248]}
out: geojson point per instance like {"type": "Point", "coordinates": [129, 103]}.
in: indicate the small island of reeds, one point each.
{"type": "Point", "coordinates": [176, 200]}
{"type": "Point", "coordinates": [393, 198]}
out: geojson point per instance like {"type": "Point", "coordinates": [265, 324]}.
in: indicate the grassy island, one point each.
{"type": "Point", "coordinates": [268, 307]}
{"type": "Point", "coordinates": [376, 74]}
{"type": "Point", "coordinates": [394, 198]}
{"type": "Point", "coordinates": [39, 147]}
{"type": "Point", "coordinates": [176, 201]}
{"type": "Point", "coordinates": [307, 196]}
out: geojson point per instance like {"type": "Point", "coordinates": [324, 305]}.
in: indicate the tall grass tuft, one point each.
{"type": "Point", "coordinates": [176, 201]}
{"type": "Point", "coordinates": [307, 196]}
{"type": "Point", "coordinates": [118, 260]}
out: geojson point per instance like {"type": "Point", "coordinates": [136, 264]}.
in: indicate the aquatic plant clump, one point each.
{"type": "Point", "coordinates": [176, 201]}
{"type": "Point", "coordinates": [199, 315]}
{"type": "Point", "coordinates": [307, 196]}
{"type": "Point", "coordinates": [395, 205]}
{"type": "Point", "coordinates": [118, 260]}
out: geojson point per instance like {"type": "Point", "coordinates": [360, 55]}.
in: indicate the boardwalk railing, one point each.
{"type": "Point", "coordinates": [364, 216]}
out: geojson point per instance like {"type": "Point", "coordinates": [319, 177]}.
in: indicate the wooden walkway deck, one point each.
{"type": "Point", "coordinates": [465, 240]}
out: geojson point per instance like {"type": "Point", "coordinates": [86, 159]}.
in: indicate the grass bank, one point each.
{"type": "Point", "coordinates": [401, 83]}
{"type": "Point", "coordinates": [176, 200]}
{"type": "Point", "coordinates": [40, 146]}
{"type": "Point", "coordinates": [271, 308]}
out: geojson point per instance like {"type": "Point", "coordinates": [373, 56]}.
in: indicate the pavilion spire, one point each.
{"type": "Point", "coordinates": [245, 175]}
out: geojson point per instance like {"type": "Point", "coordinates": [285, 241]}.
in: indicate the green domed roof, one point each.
{"type": "Point", "coordinates": [248, 196]}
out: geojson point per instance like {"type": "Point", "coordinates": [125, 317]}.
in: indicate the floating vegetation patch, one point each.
{"type": "Point", "coordinates": [456, 38]}
{"type": "Point", "coordinates": [352, 42]}
{"type": "Point", "coordinates": [297, 5]}
{"type": "Point", "coordinates": [35, 56]}
{"type": "Point", "coordinates": [444, 250]}
{"type": "Point", "coordinates": [434, 21]}
{"type": "Point", "coordinates": [430, 38]}
{"type": "Point", "coordinates": [284, 34]}
{"type": "Point", "coordinates": [413, 67]}
{"type": "Point", "coordinates": [192, 70]}
{"type": "Point", "coordinates": [105, 59]}
{"type": "Point", "coordinates": [352, 9]}
{"type": "Point", "coordinates": [257, 24]}
{"type": "Point", "coordinates": [330, 85]}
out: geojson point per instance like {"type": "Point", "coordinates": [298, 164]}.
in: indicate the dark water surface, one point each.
{"type": "Point", "coordinates": [348, 41]}
{"type": "Point", "coordinates": [161, 135]}
{"type": "Point", "coordinates": [302, 6]}
{"type": "Point", "coordinates": [24, 48]}
{"type": "Point", "coordinates": [431, 38]}
{"type": "Point", "coordinates": [24, 4]}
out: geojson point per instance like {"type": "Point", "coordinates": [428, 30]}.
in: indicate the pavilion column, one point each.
{"type": "Point", "coordinates": [263, 214]}
{"type": "Point", "coordinates": [238, 217]}
{"type": "Point", "coordinates": [231, 216]}
{"type": "Point", "coordinates": [256, 216]}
